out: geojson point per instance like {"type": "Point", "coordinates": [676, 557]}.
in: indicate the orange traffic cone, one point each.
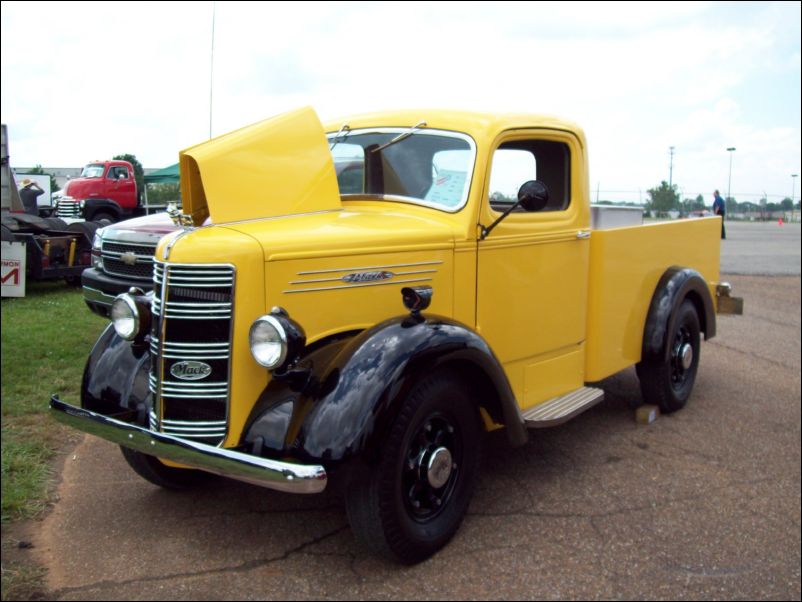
{"type": "Point", "coordinates": [780, 222]}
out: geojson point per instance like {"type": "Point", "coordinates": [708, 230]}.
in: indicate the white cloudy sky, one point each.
{"type": "Point", "coordinates": [82, 81]}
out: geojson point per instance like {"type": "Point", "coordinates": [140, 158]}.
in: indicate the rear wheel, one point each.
{"type": "Point", "coordinates": [104, 216]}
{"type": "Point", "coordinates": [413, 501]}
{"type": "Point", "coordinates": [151, 469]}
{"type": "Point", "coordinates": [669, 383]}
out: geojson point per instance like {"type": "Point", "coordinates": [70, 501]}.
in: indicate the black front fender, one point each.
{"type": "Point", "coordinates": [116, 376]}
{"type": "Point", "coordinates": [353, 389]}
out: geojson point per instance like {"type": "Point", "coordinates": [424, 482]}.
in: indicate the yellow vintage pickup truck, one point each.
{"type": "Point", "coordinates": [356, 302]}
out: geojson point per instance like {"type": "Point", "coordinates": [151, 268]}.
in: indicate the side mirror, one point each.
{"type": "Point", "coordinates": [532, 196]}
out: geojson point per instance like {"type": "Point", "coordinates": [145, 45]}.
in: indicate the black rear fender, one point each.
{"type": "Point", "coordinates": [676, 285]}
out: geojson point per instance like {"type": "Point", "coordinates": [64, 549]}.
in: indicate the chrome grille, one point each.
{"type": "Point", "coordinates": [112, 252]}
{"type": "Point", "coordinates": [192, 321]}
{"type": "Point", "coordinates": [70, 209]}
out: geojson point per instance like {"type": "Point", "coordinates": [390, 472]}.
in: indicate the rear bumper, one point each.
{"type": "Point", "coordinates": [273, 474]}
{"type": "Point", "coordinates": [727, 304]}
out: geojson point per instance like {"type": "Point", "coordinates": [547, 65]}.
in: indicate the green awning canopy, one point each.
{"type": "Point", "coordinates": [168, 175]}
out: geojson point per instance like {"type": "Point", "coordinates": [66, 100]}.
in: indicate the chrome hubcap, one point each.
{"type": "Point", "coordinates": [431, 467]}
{"type": "Point", "coordinates": [686, 356]}
{"type": "Point", "coordinates": [439, 469]}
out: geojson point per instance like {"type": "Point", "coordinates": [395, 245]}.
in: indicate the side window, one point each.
{"type": "Point", "coordinates": [511, 168]}
{"type": "Point", "coordinates": [349, 163]}
{"type": "Point", "coordinates": [117, 171]}
{"type": "Point", "coordinates": [517, 162]}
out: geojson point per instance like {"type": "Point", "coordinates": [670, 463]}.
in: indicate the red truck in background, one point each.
{"type": "Point", "coordinates": [105, 190]}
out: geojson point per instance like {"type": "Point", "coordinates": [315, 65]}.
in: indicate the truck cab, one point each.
{"type": "Point", "coordinates": [105, 190]}
{"type": "Point", "coordinates": [376, 294]}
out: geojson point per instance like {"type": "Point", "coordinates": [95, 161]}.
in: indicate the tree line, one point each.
{"type": "Point", "coordinates": [664, 199]}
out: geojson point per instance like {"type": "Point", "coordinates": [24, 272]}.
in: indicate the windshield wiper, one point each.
{"type": "Point", "coordinates": [336, 140]}
{"type": "Point", "coordinates": [401, 136]}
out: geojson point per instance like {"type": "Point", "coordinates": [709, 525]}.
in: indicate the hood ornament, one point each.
{"type": "Point", "coordinates": [181, 220]}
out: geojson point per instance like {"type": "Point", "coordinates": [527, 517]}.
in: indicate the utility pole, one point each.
{"type": "Point", "coordinates": [670, 166]}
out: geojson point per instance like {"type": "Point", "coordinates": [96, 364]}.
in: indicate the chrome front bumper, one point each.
{"type": "Point", "coordinates": [92, 295]}
{"type": "Point", "coordinates": [283, 476]}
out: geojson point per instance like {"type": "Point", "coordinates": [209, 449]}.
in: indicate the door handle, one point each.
{"type": "Point", "coordinates": [583, 234]}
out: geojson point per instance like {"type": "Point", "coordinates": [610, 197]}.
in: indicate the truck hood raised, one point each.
{"type": "Point", "coordinates": [277, 167]}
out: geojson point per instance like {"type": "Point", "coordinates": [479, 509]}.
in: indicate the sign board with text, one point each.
{"type": "Point", "coordinates": [13, 269]}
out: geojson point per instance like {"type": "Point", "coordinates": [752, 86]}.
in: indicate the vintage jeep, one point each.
{"type": "Point", "coordinates": [275, 349]}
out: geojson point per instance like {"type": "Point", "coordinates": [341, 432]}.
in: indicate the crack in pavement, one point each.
{"type": "Point", "coordinates": [242, 568]}
{"type": "Point", "coordinates": [753, 355]}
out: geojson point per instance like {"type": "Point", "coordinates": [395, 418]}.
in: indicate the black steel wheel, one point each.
{"type": "Point", "coordinates": [104, 217]}
{"type": "Point", "coordinates": [669, 383]}
{"type": "Point", "coordinates": [413, 501]}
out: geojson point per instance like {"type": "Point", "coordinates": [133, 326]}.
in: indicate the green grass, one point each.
{"type": "Point", "coordinates": [46, 338]}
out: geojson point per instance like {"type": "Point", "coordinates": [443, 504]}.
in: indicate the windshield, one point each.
{"type": "Point", "coordinates": [428, 167]}
{"type": "Point", "coordinates": [92, 171]}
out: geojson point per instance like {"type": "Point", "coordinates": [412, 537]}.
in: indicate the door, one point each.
{"type": "Point", "coordinates": [533, 267]}
{"type": "Point", "coordinates": [120, 186]}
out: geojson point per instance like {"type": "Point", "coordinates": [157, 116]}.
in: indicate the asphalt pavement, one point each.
{"type": "Point", "coordinates": [702, 504]}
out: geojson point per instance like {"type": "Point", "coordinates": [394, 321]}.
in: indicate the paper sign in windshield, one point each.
{"type": "Point", "coordinates": [447, 188]}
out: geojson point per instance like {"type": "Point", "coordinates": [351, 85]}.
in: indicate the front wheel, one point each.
{"type": "Point", "coordinates": [413, 501]}
{"type": "Point", "coordinates": [668, 383]}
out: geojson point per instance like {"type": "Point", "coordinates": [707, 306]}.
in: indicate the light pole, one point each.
{"type": "Point", "coordinates": [730, 149]}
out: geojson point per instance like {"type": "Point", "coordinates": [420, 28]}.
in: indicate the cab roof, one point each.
{"type": "Point", "coordinates": [481, 126]}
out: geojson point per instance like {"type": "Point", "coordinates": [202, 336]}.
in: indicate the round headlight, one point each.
{"type": "Point", "coordinates": [268, 342]}
{"type": "Point", "coordinates": [125, 316]}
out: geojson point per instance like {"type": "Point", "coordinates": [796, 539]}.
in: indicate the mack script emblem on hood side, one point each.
{"type": "Point", "coordinates": [190, 370]}
{"type": "Point", "coordinates": [367, 276]}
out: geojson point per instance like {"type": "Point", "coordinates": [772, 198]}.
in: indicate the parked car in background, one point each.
{"type": "Point", "coordinates": [122, 257]}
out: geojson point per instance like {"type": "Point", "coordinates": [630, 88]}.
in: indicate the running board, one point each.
{"type": "Point", "coordinates": [561, 409]}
